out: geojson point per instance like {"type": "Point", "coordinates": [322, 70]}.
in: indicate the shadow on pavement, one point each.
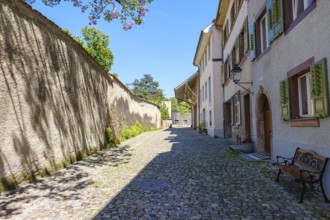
{"type": "Point", "coordinates": [62, 185]}
{"type": "Point", "coordinates": [200, 179]}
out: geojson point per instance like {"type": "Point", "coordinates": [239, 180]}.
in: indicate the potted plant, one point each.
{"type": "Point", "coordinates": [202, 128]}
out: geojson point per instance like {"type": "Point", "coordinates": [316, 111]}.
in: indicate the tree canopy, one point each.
{"type": "Point", "coordinates": [146, 88]}
{"type": "Point", "coordinates": [96, 43]}
{"type": "Point", "coordinates": [129, 12]}
{"type": "Point", "coordinates": [182, 107]}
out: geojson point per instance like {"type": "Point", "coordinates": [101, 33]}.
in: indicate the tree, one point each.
{"type": "Point", "coordinates": [129, 12]}
{"type": "Point", "coordinates": [182, 107]}
{"type": "Point", "coordinates": [164, 112]}
{"type": "Point", "coordinates": [146, 88]}
{"type": "Point", "coordinates": [96, 43]}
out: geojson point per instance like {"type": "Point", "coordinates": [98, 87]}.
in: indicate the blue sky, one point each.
{"type": "Point", "coordinates": [164, 46]}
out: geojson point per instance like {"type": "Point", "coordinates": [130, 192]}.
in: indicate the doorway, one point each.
{"type": "Point", "coordinates": [264, 124]}
{"type": "Point", "coordinates": [267, 127]}
{"type": "Point", "coordinates": [227, 120]}
{"type": "Point", "coordinates": [247, 115]}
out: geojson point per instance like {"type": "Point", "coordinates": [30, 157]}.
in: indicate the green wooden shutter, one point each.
{"type": "Point", "coordinates": [239, 107]}
{"type": "Point", "coordinates": [319, 89]}
{"type": "Point", "coordinates": [270, 19]}
{"type": "Point", "coordinates": [232, 110]}
{"type": "Point", "coordinates": [278, 18]}
{"type": "Point", "coordinates": [246, 36]}
{"type": "Point", "coordinates": [252, 36]}
{"type": "Point", "coordinates": [237, 60]}
{"type": "Point", "coordinates": [285, 99]}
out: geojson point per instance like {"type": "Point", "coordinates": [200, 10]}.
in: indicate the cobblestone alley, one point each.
{"type": "Point", "coordinates": [169, 174]}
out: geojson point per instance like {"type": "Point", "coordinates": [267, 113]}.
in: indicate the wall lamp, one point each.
{"type": "Point", "coordinates": [237, 71]}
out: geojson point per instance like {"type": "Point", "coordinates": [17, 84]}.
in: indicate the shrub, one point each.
{"type": "Point", "coordinates": [110, 138]}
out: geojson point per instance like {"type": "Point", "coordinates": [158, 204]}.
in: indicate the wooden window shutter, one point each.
{"type": "Point", "coordinates": [278, 18]}
{"type": "Point", "coordinates": [270, 19]}
{"type": "Point", "coordinates": [246, 36]}
{"type": "Point", "coordinates": [252, 35]}
{"type": "Point", "coordinates": [239, 107]}
{"type": "Point", "coordinates": [229, 66]}
{"type": "Point", "coordinates": [319, 89]}
{"type": "Point", "coordinates": [237, 60]}
{"type": "Point", "coordinates": [285, 99]}
{"type": "Point", "coordinates": [232, 110]}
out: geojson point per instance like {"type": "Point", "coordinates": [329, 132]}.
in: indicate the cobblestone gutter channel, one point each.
{"type": "Point", "coordinates": [171, 174]}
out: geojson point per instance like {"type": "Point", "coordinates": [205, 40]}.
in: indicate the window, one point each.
{"type": "Point", "coordinates": [305, 108]}
{"type": "Point", "coordinates": [232, 16]}
{"type": "Point", "coordinates": [210, 117]}
{"type": "Point", "coordinates": [226, 32]}
{"type": "Point", "coordinates": [298, 6]}
{"type": "Point", "coordinates": [202, 94]}
{"type": "Point", "coordinates": [226, 71]}
{"type": "Point", "coordinates": [205, 87]}
{"type": "Point", "coordinates": [263, 33]}
{"type": "Point", "coordinates": [236, 109]}
{"type": "Point", "coordinates": [210, 90]}
{"type": "Point", "coordinates": [242, 44]}
{"type": "Point", "coordinates": [204, 119]}
{"type": "Point", "coordinates": [259, 38]}
{"type": "Point", "coordinates": [305, 92]}
{"type": "Point", "coordinates": [295, 11]}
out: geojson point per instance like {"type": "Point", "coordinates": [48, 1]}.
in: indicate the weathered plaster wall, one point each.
{"type": "Point", "coordinates": [55, 100]}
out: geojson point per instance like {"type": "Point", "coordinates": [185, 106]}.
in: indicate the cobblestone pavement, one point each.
{"type": "Point", "coordinates": [171, 174]}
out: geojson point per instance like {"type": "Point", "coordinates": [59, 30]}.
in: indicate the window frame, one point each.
{"type": "Point", "coordinates": [308, 93]}
{"type": "Point", "coordinates": [295, 14]}
{"type": "Point", "coordinates": [290, 22]}
{"type": "Point", "coordinates": [264, 19]}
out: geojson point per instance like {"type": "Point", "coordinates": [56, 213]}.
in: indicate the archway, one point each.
{"type": "Point", "coordinates": [264, 123]}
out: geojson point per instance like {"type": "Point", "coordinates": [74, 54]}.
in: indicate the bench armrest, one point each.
{"type": "Point", "coordinates": [283, 161]}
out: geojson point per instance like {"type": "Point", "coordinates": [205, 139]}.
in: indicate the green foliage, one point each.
{"type": "Point", "coordinates": [110, 138]}
{"type": "Point", "coordinates": [164, 112]}
{"type": "Point", "coordinates": [133, 131]}
{"type": "Point", "coordinates": [127, 132]}
{"type": "Point", "coordinates": [128, 12]}
{"type": "Point", "coordinates": [96, 43]}
{"type": "Point", "coordinates": [147, 89]}
{"type": "Point", "coordinates": [181, 107]}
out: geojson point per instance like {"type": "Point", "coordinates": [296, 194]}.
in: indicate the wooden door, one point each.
{"type": "Point", "coordinates": [268, 131]}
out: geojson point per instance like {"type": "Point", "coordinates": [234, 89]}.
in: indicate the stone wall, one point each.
{"type": "Point", "coordinates": [55, 100]}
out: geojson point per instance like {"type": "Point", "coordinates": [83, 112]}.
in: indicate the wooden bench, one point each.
{"type": "Point", "coordinates": [305, 167]}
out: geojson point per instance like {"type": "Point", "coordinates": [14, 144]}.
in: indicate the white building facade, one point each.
{"type": "Point", "coordinates": [290, 59]}
{"type": "Point", "coordinates": [208, 58]}
{"type": "Point", "coordinates": [232, 20]}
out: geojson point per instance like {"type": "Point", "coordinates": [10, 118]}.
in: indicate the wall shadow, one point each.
{"type": "Point", "coordinates": [65, 184]}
